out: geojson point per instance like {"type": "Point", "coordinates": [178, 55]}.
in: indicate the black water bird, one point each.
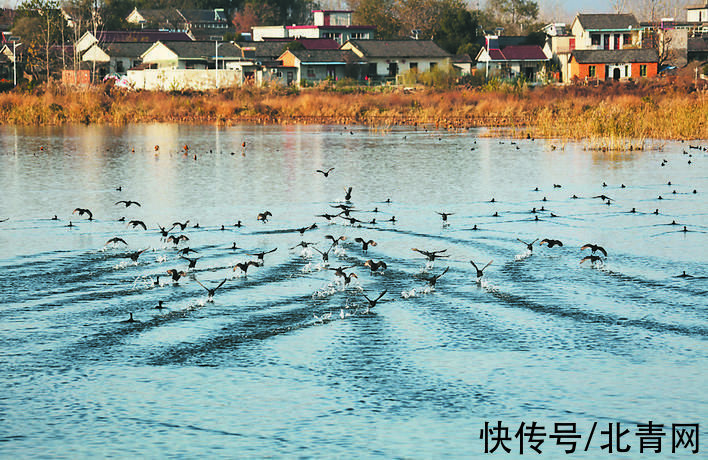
{"type": "Point", "coordinates": [348, 278]}
{"type": "Point", "coordinates": [529, 246]}
{"type": "Point", "coordinates": [432, 255]}
{"type": "Point", "coordinates": [593, 248]}
{"type": "Point", "coordinates": [177, 239]}
{"type": "Point", "coordinates": [302, 230]}
{"type": "Point", "coordinates": [262, 254]}
{"type": "Point", "coordinates": [372, 302]}
{"type": "Point", "coordinates": [480, 272]}
{"type": "Point", "coordinates": [324, 254]}
{"type": "Point", "coordinates": [301, 244]}
{"type": "Point", "coordinates": [137, 223]}
{"type": "Point", "coordinates": [339, 271]}
{"type": "Point", "coordinates": [325, 173]}
{"type": "Point", "coordinates": [134, 255]}
{"type": "Point", "coordinates": [444, 215]}
{"type": "Point", "coordinates": [192, 262]}
{"type": "Point", "coordinates": [127, 203]}
{"type": "Point", "coordinates": [210, 291]}
{"type": "Point", "coordinates": [365, 244]}
{"type": "Point", "coordinates": [348, 195]}
{"type": "Point", "coordinates": [244, 266]}
{"type": "Point", "coordinates": [592, 259]}
{"type": "Point", "coordinates": [116, 240]}
{"type": "Point", "coordinates": [163, 231]}
{"type": "Point", "coordinates": [176, 274]}
{"type": "Point", "coordinates": [328, 216]}
{"type": "Point", "coordinates": [434, 279]}
{"type": "Point", "coordinates": [550, 242]}
{"type": "Point", "coordinates": [263, 216]}
{"type": "Point", "coordinates": [185, 251]}
{"type": "Point", "coordinates": [181, 225]}
{"type": "Point", "coordinates": [159, 305]}
{"type": "Point", "coordinates": [604, 197]}
{"type": "Point", "coordinates": [130, 320]}
{"type": "Point", "coordinates": [374, 266]}
{"type": "Point", "coordinates": [83, 211]}
{"type": "Point", "coordinates": [238, 224]}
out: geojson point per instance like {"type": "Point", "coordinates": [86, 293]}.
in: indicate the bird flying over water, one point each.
{"type": "Point", "coordinates": [365, 244]}
{"type": "Point", "coordinates": [181, 225]}
{"type": "Point", "coordinates": [127, 203]}
{"type": "Point", "coordinates": [264, 216]}
{"type": "Point", "coordinates": [244, 266]}
{"type": "Point", "coordinates": [431, 255]}
{"type": "Point", "coordinates": [434, 279]}
{"type": "Point", "coordinates": [529, 246]}
{"type": "Point", "coordinates": [83, 211]}
{"type": "Point", "coordinates": [116, 240]}
{"type": "Point", "coordinates": [550, 242]}
{"type": "Point", "coordinates": [177, 239]}
{"type": "Point", "coordinates": [176, 274]}
{"type": "Point", "coordinates": [374, 266]}
{"type": "Point", "coordinates": [325, 173]}
{"type": "Point", "coordinates": [480, 272]}
{"type": "Point", "coordinates": [210, 291]}
{"type": "Point", "coordinates": [592, 259]}
{"type": "Point", "coordinates": [593, 248]}
{"type": "Point", "coordinates": [137, 223]}
{"type": "Point", "coordinates": [372, 303]}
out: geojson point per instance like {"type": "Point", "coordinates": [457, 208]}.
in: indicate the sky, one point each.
{"type": "Point", "coordinates": [558, 10]}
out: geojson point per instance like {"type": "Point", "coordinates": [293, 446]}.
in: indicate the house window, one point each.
{"type": "Point", "coordinates": [331, 71]}
{"type": "Point", "coordinates": [626, 40]}
{"type": "Point", "coordinates": [310, 72]}
{"type": "Point", "coordinates": [606, 41]}
{"type": "Point", "coordinates": [617, 42]}
{"type": "Point", "coordinates": [414, 66]}
{"type": "Point", "coordinates": [591, 71]}
{"type": "Point", "coordinates": [626, 71]}
{"type": "Point", "coordinates": [595, 39]}
{"type": "Point", "coordinates": [642, 70]}
{"type": "Point", "coordinates": [357, 35]}
{"type": "Point", "coordinates": [119, 67]}
{"type": "Point", "coordinates": [433, 65]}
{"type": "Point", "coordinates": [372, 72]}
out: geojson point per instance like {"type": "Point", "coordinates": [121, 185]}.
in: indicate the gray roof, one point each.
{"type": "Point", "coordinates": [203, 50]}
{"type": "Point", "coordinates": [697, 44]}
{"type": "Point", "coordinates": [264, 50]}
{"type": "Point", "coordinates": [400, 49]}
{"type": "Point", "coordinates": [697, 6]}
{"type": "Point", "coordinates": [125, 49]}
{"type": "Point", "coordinates": [607, 21]}
{"type": "Point", "coordinates": [162, 16]}
{"type": "Point", "coordinates": [326, 56]}
{"type": "Point", "coordinates": [204, 16]}
{"type": "Point", "coordinates": [626, 56]}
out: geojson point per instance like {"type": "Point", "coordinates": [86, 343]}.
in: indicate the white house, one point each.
{"type": "Point", "coordinates": [605, 31]}
{"type": "Point", "coordinates": [697, 13]}
{"type": "Point", "coordinates": [334, 24]}
{"type": "Point", "coordinates": [390, 58]}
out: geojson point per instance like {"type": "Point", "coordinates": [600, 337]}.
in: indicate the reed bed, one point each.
{"type": "Point", "coordinates": [610, 116]}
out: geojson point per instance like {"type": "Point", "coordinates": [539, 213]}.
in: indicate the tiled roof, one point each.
{"type": "Point", "coordinates": [400, 49]}
{"type": "Point", "coordinates": [625, 56]}
{"type": "Point", "coordinates": [608, 21]}
{"type": "Point", "coordinates": [160, 16]}
{"type": "Point", "coordinates": [143, 36]}
{"type": "Point", "coordinates": [203, 50]}
{"type": "Point", "coordinates": [216, 15]}
{"type": "Point", "coordinates": [125, 49]}
{"type": "Point", "coordinates": [308, 43]}
{"type": "Point", "coordinates": [697, 44]}
{"type": "Point", "coordinates": [326, 56]}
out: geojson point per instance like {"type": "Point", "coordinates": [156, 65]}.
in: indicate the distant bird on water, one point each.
{"type": "Point", "coordinates": [116, 240]}
{"type": "Point", "coordinates": [365, 244]}
{"type": "Point", "coordinates": [263, 217]}
{"type": "Point", "coordinates": [431, 255]}
{"type": "Point", "coordinates": [374, 266]}
{"type": "Point", "coordinates": [444, 215]}
{"type": "Point", "coordinates": [434, 279]}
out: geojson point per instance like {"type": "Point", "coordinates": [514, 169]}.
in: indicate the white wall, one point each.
{"type": "Point", "coordinates": [182, 79]}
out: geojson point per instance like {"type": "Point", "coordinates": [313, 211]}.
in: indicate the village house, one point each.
{"type": "Point", "coordinates": [116, 57]}
{"type": "Point", "coordinates": [389, 59]}
{"type": "Point", "coordinates": [88, 39]}
{"type": "Point", "coordinates": [318, 65]}
{"type": "Point", "coordinates": [200, 24]}
{"type": "Point", "coordinates": [501, 57]}
{"type": "Point", "coordinates": [697, 14]}
{"type": "Point", "coordinates": [605, 31]}
{"type": "Point", "coordinates": [333, 24]}
{"type": "Point", "coordinates": [614, 64]}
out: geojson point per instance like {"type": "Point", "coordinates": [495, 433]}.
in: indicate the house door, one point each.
{"type": "Point", "coordinates": [290, 77]}
{"type": "Point", "coordinates": [616, 74]}
{"type": "Point", "coordinates": [393, 69]}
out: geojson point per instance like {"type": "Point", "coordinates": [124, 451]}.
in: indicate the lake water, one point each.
{"type": "Point", "coordinates": [287, 360]}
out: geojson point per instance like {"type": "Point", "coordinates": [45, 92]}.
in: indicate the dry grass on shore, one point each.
{"type": "Point", "coordinates": [610, 116]}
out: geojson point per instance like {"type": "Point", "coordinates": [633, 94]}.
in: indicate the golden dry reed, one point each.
{"type": "Point", "coordinates": [614, 116]}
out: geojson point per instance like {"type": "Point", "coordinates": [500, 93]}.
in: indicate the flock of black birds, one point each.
{"type": "Point", "coordinates": [344, 211]}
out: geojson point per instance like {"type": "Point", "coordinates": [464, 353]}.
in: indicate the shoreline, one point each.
{"type": "Point", "coordinates": [614, 116]}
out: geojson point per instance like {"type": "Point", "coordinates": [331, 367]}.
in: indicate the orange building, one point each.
{"type": "Point", "coordinates": [614, 64]}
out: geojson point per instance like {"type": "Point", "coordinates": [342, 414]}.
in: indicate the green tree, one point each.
{"type": "Point", "coordinates": [457, 28]}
